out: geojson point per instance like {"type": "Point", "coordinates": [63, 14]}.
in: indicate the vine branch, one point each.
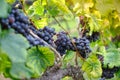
{"type": "Point", "coordinates": [56, 73]}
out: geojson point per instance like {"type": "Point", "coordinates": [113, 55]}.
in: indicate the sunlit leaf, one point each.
{"type": "Point", "coordinates": [10, 1]}
{"type": "Point", "coordinates": [53, 11]}
{"type": "Point", "coordinates": [67, 78]}
{"type": "Point", "coordinates": [4, 62]}
{"type": "Point", "coordinates": [41, 23]}
{"type": "Point", "coordinates": [61, 5]}
{"type": "Point", "coordinates": [38, 8]}
{"type": "Point", "coordinates": [82, 6]}
{"type": "Point", "coordinates": [116, 4]}
{"type": "Point", "coordinates": [39, 59]}
{"type": "Point", "coordinates": [92, 67]}
{"type": "Point", "coordinates": [94, 23]}
{"type": "Point", "coordinates": [104, 6]}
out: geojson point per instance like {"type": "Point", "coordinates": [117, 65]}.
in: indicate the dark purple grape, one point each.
{"type": "Point", "coordinates": [109, 72]}
{"type": "Point", "coordinates": [11, 19]}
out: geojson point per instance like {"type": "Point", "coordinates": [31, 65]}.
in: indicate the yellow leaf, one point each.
{"type": "Point", "coordinates": [61, 5]}
{"type": "Point", "coordinates": [104, 6]}
{"type": "Point", "coordinates": [41, 23]}
{"type": "Point", "coordinates": [92, 67]}
{"type": "Point", "coordinates": [82, 6]}
{"type": "Point", "coordinates": [117, 5]}
{"type": "Point", "coordinates": [10, 1]}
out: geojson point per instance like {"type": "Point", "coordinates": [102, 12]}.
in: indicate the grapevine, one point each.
{"type": "Point", "coordinates": [35, 42]}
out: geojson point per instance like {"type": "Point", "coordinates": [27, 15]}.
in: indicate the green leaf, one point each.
{"type": "Point", "coordinates": [3, 8]}
{"type": "Point", "coordinates": [92, 67]}
{"type": "Point", "coordinates": [20, 71]}
{"type": "Point", "coordinates": [102, 50]}
{"type": "Point", "coordinates": [69, 55]}
{"type": "Point", "coordinates": [0, 29]}
{"type": "Point", "coordinates": [53, 11]}
{"type": "Point", "coordinates": [67, 78]}
{"type": "Point", "coordinates": [38, 8]}
{"type": "Point", "coordinates": [112, 58]}
{"type": "Point", "coordinates": [14, 45]}
{"type": "Point", "coordinates": [37, 14]}
{"type": "Point", "coordinates": [10, 1]}
{"type": "Point", "coordinates": [4, 62]}
{"type": "Point", "coordinates": [117, 75]}
{"type": "Point", "coordinates": [94, 23]}
{"type": "Point", "coordinates": [68, 58]}
{"type": "Point", "coordinates": [39, 59]}
{"type": "Point", "coordinates": [40, 23]}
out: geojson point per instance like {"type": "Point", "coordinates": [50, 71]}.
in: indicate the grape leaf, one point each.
{"type": "Point", "coordinates": [37, 13]}
{"type": "Point", "coordinates": [112, 58]}
{"type": "Point", "coordinates": [4, 8]}
{"type": "Point", "coordinates": [10, 1]}
{"type": "Point", "coordinates": [69, 55]}
{"type": "Point", "coordinates": [0, 29]}
{"type": "Point", "coordinates": [38, 8]}
{"type": "Point", "coordinates": [92, 67]}
{"type": "Point", "coordinates": [117, 75]}
{"type": "Point", "coordinates": [104, 6]}
{"type": "Point", "coordinates": [61, 5]}
{"type": "Point", "coordinates": [53, 11]}
{"type": "Point", "coordinates": [40, 23]}
{"type": "Point", "coordinates": [67, 78]}
{"type": "Point", "coordinates": [4, 62]}
{"type": "Point", "coordinates": [39, 59]}
{"type": "Point", "coordinates": [102, 50]}
{"type": "Point", "coordinates": [82, 6]}
{"type": "Point", "coordinates": [94, 23]}
{"type": "Point", "coordinates": [20, 71]}
{"type": "Point", "coordinates": [68, 58]}
{"type": "Point", "coordinates": [116, 4]}
{"type": "Point", "coordinates": [14, 45]}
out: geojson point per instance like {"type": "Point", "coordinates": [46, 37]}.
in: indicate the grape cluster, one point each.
{"type": "Point", "coordinates": [34, 41]}
{"type": "Point", "coordinates": [83, 46]}
{"type": "Point", "coordinates": [62, 43]}
{"type": "Point", "coordinates": [109, 73]}
{"type": "Point", "coordinates": [94, 37]}
{"type": "Point", "coordinates": [17, 21]}
{"type": "Point", "coordinates": [46, 34]}
{"type": "Point", "coordinates": [21, 24]}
